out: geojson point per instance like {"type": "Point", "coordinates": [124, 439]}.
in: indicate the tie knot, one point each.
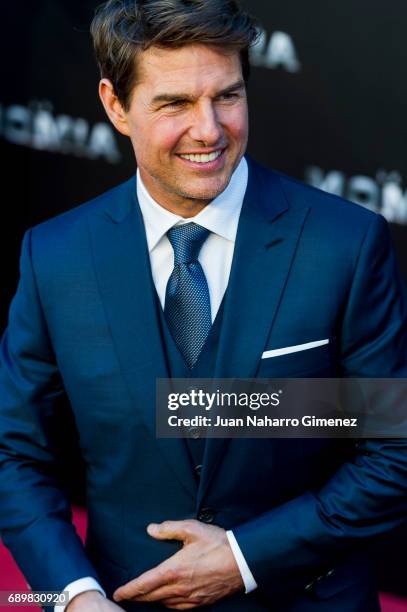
{"type": "Point", "coordinates": [187, 241]}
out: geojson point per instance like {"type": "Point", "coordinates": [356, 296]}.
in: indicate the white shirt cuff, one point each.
{"type": "Point", "coordinates": [247, 577]}
{"type": "Point", "coordinates": [80, 586]}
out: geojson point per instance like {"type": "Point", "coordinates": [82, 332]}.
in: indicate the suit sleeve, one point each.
{"type": "Point", "coordinates": [367, 496]}
{"type": "Point", "coordinates": [35, 517]}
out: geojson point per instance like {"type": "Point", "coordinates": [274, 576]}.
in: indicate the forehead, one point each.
{"type": "Point", "coordinates": [196, 69]}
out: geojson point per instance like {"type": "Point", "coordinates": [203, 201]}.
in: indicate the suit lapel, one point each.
{"type": "Point", "coordinates": [266, 242]}
{"type": "Point", "coordinates": [124, 276]}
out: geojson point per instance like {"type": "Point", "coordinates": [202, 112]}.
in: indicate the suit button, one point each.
{"type": "Point", "coordinates": [198, 470]}
{"type": "Point", "coordinates": [206, 515]}
{"type": "Point", "coordinates": [194, 433]}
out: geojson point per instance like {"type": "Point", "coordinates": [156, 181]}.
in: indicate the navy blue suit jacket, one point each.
{"type": "Point", "coordinates": [307, 266]}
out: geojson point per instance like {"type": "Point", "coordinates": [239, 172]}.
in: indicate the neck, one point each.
{"type": "Point", "coordinates": [186, 208]}
{"type": "Point", "coordinates": [173, 202]}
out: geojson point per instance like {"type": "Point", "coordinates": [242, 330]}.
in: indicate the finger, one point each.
{"type": "Point", "coordinates": [176, 601]}
{"type": "Point", "coordinates": [179, 606]}
{"type": "Point", "coordinates": [173, 530]}
{"type": "Point", "coordinates": [170, 591]}
{"type": "Point", "coordinates": [142, 585]}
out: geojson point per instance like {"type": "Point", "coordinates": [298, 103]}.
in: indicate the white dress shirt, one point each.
{"type": "Point", "coordinates": [221, 218]}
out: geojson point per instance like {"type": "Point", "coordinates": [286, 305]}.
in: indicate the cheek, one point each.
{"type": "Point", "coordinates": [167, 133]}
{"type": "Point", "coordinates": [156, 139]}
{"type": "Point", "coordinates": [235, 122]}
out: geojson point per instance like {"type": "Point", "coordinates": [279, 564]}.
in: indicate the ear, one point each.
{"type": "Point", "coordinates": [113, 107]}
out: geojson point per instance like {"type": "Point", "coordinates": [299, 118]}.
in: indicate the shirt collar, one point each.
{"type": "Point", "coordinates": [221, 216]}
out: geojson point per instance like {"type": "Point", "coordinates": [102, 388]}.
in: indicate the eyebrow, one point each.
{"type": "Point", "coordinates": [178, 97]}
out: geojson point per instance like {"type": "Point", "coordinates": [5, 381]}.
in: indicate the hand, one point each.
{"type": "Point", "coordinates": [91, 601]}
{"type": "Point", "coordinates": [202, 572]}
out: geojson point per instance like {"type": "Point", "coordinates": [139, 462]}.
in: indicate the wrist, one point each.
{"type": "Point", "coordinates": [83, 599]}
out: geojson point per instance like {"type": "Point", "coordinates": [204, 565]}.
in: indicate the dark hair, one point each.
{"type": "Point", "coordinates": [123, 28]}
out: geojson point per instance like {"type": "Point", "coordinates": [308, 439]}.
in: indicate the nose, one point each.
{"type": "Point", "coordinates": [206, 126]}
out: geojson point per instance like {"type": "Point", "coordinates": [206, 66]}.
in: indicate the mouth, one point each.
{"type": "Point", "coordinates": [208, 161]}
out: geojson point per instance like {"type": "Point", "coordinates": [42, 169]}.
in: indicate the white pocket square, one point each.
{"type": "Point", "coordinates": [294, 349]}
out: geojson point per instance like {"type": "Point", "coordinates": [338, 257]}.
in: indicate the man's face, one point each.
{"type": "Point", "coordinates": [188, 123]}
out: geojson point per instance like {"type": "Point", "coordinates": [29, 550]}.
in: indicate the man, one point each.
{"type": "Point", "coordinates": [199, 267]}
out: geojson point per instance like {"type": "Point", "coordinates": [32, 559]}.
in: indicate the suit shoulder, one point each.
{"type": "Point", "coordinates": [319, 198]}
{"type": "Point", "coordinates": [326, 206]}
{"type": "Point", "coordinates": [62, 241]}
{"type": "Point", "coordinates": [67, 223]}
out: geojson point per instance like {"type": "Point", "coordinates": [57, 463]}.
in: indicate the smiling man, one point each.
{"type": "Point", "coordinates": [204, 264]}
{"type": "Point", "coordinates": [188, 124]}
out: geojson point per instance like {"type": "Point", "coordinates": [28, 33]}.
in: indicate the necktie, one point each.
{"type": "Point", "coordinates": [187, 304]}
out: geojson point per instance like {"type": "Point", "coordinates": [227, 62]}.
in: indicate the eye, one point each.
{"type": "Point", "coordinates": [228, 97]}
{"type": "Point", "coordinates": [175, 104]}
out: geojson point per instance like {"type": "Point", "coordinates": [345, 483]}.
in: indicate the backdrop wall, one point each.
{"type": "Point", "coordinates": [327, 106]}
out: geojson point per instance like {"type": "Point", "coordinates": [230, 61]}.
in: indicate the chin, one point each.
{"type": "Point", "coordinates": [207, 192]}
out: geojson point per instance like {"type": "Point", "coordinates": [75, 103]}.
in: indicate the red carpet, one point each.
{"type": "Point", "coordinates": [12, 579]}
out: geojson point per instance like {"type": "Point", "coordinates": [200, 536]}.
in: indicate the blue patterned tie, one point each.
{"type": "Point", "coordinates": [187, 304]}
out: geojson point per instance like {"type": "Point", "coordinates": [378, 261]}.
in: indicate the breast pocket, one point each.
{"type": "Point", "coordinates": [307, 360]}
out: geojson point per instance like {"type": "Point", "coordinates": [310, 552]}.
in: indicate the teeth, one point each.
{"type": "Point", "coordinates": [203, 158]}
